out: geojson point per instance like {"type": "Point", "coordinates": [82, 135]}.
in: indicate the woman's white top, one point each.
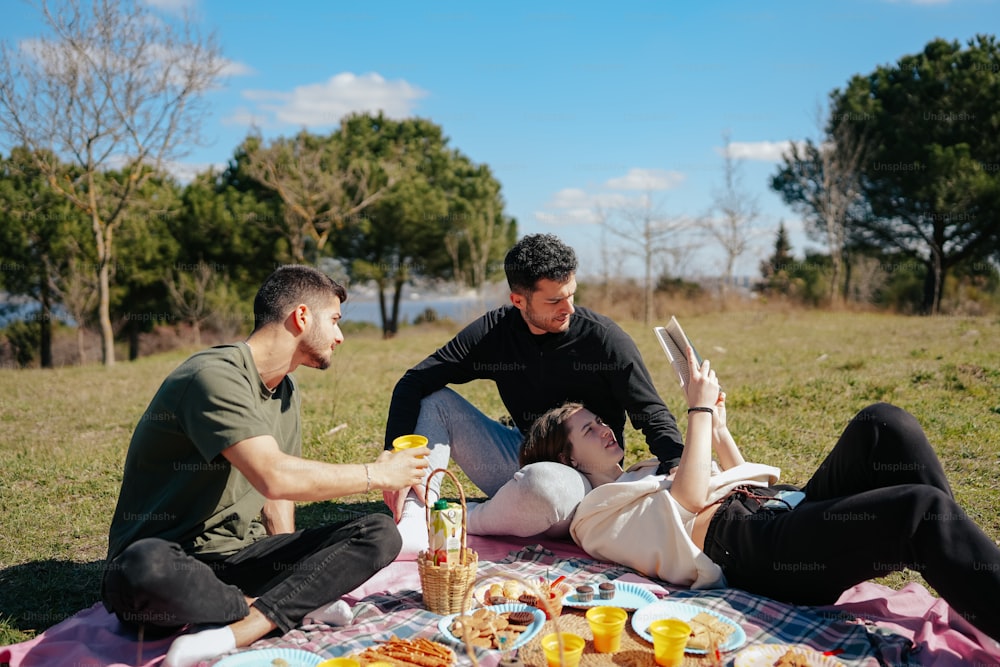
{"type": "Point", "coordinates": [636, 522]}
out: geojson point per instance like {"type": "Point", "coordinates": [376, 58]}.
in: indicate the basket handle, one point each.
{"type": "Point", "coordinates": [461, 495]}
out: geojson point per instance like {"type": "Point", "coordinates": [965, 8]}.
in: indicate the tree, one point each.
{"type": "Point", "coordinates": [38, 236]}
{"type": "Point", "coordinates": [931, 179]}
{"type": "Point", "coordinates": [648, 235]}
{"type": "Point", "coordinates": [323, 184]}
{"type": "Point", "coordinates": [230, 223]}
{"type": "Point", "coordinates": [442, 218]}
{"type": "Point", "coordinates": [229, 239]}
{"type": "Point", "coordinates": [77, 292]}
{"type": "Point", "coordinates": [403, 236]}
{"type": "Point", "coordinates": [139, 300]}
{"type": "Point", "coordinates": [776, 268]}
{"type": "Point", "coordinates": [479, 232]}
{"type": "Point", "coordinates": [190, 289]}
{"type": "Point", "coordinates": [737, 211]}
{"type": "Point", "coordinates": [111, 87]}
{"type": "Point", "coordinates": [823, 183]}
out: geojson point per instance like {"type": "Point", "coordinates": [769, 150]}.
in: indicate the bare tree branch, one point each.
{"type": "Point", "coordinates": [648, 235]}
{"type": "Point", "coordinates": [735, 213]}
{"type": "Point", "coordinates": [110, 88]}
{"type": "Point", "coordinates": [320, 187]}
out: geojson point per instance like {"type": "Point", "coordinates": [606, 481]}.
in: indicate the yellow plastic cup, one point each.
{"type": "Point", "coordinates": [339, 662]}
{"type": "Point", "coordinates": [572, 649]}
{"type": "Point", "coordinates": [670, 636]}
{"type": "Point", "coordinates": [409, 442]}
{"type": "Point", "coordinates": [607, 624]}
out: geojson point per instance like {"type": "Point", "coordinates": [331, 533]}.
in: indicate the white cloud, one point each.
{"type": "Point", "coordinates": [177, 7]}
{"type": "Point", "coordinates": [185, 172]}
{"type": "Point", "coordinates": [233, 68]}
{"type": "Point", "coordinates": [577, 206]}
{"type": "Point", "coordinates": [243, 117]}
{"type": "Point", "coordinates": [765, 151]}
{"type": "Point", "coordinates": [321, 104]}
{"type": "Point", "coordinates": [569, 206]}
{"type": "Point", "coordinates": [646, 180]}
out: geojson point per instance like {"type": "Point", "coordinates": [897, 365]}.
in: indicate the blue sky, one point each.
{"type": "Point", "coordinates": [574, 105]}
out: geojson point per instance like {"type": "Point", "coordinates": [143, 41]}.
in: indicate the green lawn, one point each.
{"type": "Point", "coordinates": [793, 380]}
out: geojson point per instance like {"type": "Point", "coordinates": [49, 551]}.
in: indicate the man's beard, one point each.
{"type": "Point", "coordinates": [549, 325]}
{"type": "Point", "coordinates": [319, 357]}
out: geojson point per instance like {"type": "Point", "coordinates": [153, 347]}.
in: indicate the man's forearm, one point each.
{"type": "Point", "coordinates": [278, 516]}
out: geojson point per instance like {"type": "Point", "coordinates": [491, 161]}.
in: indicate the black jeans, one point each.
{"type": "Point", "coordinates": [155, 583]}
{"type": "Point", "coordinates": [879, 503]}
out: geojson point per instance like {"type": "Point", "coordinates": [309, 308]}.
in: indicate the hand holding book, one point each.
{"type": "Point", "coordinates": [675, 344]}
{"type": "Point", "coordinates": [702, 390]}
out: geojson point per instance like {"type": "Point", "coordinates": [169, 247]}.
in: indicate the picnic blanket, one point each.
{"type": "Point", "coordinates": [872, 624]}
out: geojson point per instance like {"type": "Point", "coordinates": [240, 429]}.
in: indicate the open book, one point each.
{"type": "Point", "coordinates": [675, 343]}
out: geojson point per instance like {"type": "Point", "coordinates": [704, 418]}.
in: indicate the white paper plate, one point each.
{"type": "Point", "coordinates": [627, 596]}
{"type": "Point", "coordinates": [671, 609]}
{"type": "Point", "coordinates": [444, 625]}
{"type": "Point", "coordinates": [263, 657]}
{"type": "Point", "coordinates": [764, 655]}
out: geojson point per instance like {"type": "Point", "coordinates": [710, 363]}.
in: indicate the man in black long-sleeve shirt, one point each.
{"type": "Point", "coordinates": [541, 351]}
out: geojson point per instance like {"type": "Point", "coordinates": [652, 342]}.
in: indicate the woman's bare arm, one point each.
{"type": "Point", "coordinates": [690, 486]}
{"type": "Point", "coordinates": [722, 440]}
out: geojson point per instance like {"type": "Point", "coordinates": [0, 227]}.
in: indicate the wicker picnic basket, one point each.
{"type": "Point", "coordinates": [447, 587]}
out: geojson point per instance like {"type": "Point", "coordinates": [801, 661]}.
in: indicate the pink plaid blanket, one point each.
{"type": "Point", "coordinates": [874, 624]}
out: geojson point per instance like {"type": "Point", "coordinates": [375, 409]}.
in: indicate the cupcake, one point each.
{"type": "Point", "coordinates": [606, 590]}
{"type": "Point", "coordinates": [584, 593]}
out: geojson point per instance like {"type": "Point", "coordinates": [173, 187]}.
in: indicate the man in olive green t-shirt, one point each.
{"type": "Point", "coordinates": [204, 533]}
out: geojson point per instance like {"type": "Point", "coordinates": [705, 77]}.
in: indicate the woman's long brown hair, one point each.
{"type": "Point", "coordinates": [547, 439]}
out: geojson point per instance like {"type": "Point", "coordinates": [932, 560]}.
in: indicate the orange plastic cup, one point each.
{"type": "Point", "coordinates": [411, 441]}
{"type": "Point", "coordinates": [607, 624]}
{"type": "Point", "coordinates": [572, 649]}
{"type": "Point", "coordinates": [670, 636]}
{"type": "Point", "coordinates": [553, 606]}
{"type": "Point", "coordinates": [339, 662]}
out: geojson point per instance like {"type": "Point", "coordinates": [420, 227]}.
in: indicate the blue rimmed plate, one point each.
{"type": "Point", "coordinates": [266, 656]}
{"type": "Point", "coordinates": [538, 620]}
{"type": "Point", "coordinates": [671, 609]}
{"type": "Point", "coordinates": [627, 596]}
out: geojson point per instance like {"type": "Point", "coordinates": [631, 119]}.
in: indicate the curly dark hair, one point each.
{"type": "Point", "coordinates": [535, 257]}
{"type": "Point", "coordinates": [547, 438]}
{"type": "Point", "coordinates": [290, 285]}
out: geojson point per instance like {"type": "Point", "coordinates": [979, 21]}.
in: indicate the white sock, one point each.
{"type": "Point", "coordinates": [412, 528]}
{"type": "Point", "coordinates": [190, 649]}
{"type": "Point", "coordinates": [338, 613]}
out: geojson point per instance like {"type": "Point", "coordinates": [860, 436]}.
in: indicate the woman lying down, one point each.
{"type": "Point", "coordinates": [880, 502]}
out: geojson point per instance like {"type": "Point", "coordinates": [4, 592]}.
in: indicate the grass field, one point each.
{"type": "Point", "coordinates": [793, 380]}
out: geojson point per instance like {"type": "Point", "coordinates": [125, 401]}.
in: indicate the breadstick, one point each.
{"type": "Point", "coordinates": [421, 652]}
